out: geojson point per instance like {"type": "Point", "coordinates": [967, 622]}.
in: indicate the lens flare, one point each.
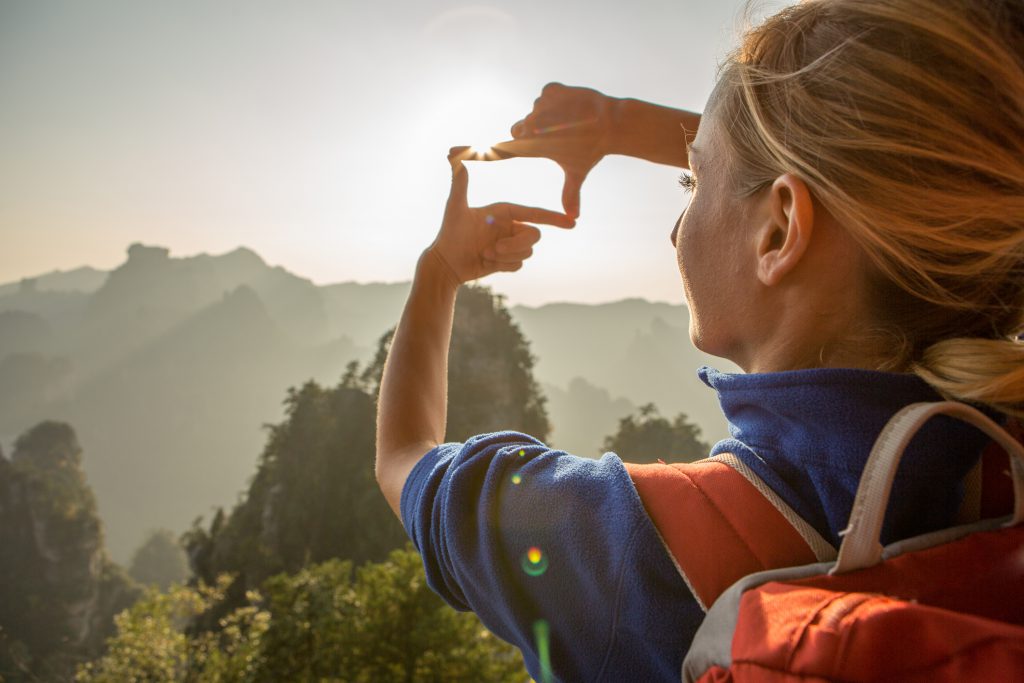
{"type": "Point", "coordinates": [534, 562]}
{"type": "Point", "coordinates": [521, 452]}
{"type": "Point", "coordinates": [542, 635]}
{"type": "Point", "coordinates": [516, 479]}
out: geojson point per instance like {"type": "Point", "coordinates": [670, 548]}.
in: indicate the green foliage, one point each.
{"type": "Point", "coordinates": [152, 644]}
{"type": "Point", "coordinates": [324, 623]}
{"type": "Point", "coordinates": [381, 624]}
{"type": "Point", "coordinates": [646, 436]}
{"type": "Point", "coordinates": [315, 497]}
{"type": "Point", "coordinates": [160, 560]}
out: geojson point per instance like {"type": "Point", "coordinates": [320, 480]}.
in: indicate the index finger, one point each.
{"type": "Point", "coordinates": [546, 145]}
{"type": "Point", "coordinates": [533, 214]}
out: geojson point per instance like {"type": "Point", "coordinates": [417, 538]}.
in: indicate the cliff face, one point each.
{"type": "Point", "coordinates": [58, 589]}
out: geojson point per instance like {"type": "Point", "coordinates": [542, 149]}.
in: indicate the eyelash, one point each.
{"type": "Point", "coordinates": [687, 182]}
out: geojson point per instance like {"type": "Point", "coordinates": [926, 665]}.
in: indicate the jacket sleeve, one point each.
{"type": "Point", "coordinates": [522, 534]}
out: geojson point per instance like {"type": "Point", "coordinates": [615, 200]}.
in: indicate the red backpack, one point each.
{"type": "Point", "coordinates": [945, 606]}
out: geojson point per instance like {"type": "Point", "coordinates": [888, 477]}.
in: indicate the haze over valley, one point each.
{"type": "Point", "coordinates": [167, 368]}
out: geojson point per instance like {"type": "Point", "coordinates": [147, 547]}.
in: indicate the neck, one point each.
{"type": "Point", "coordinates": [811, 335]}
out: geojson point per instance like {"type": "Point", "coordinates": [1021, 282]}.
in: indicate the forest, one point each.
{"type": "Point", "coordinates": [308, 576]}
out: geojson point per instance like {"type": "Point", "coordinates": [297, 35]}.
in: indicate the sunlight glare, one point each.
{"type": "Point", "coordinates": [480, 152]}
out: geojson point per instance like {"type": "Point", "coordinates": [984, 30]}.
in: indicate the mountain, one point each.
{"type": "Point", "coordinates": [364, 312]}
{"type": "Point", "coordinates": [85, 280]}
{"type": "Point", "coordinates": [637, 350]}
{"type": "Point", "coordinates": [169, 367]}
{"type": "Point", "coordinates": [168, 370]}
{"type": "Point", "coordinates": [59, 591]}
{"type": "Point", "coordinates": [585, 414]}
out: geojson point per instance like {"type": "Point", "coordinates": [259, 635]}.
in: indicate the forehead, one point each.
{"type": "Point", "coordinates": [708, 132]}
{"type": "Point", "coordinates": [706, 143]}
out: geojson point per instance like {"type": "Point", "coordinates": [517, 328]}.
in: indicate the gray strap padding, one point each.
{"type": "Point", "coordinates": [822, 549]}
{"type": "Point", "coordinates": [861, 547]}
{"type": "Point", "coordinates": [712, 645]}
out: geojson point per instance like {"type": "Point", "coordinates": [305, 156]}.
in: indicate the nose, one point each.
{"type": "Point", "coordinates": [675, 230]}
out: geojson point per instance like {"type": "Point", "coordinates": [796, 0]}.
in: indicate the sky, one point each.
{"type": "Point", "coordinates": [315, 131]}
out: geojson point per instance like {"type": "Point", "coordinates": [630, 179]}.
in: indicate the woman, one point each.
{"type": "Point", "coordinates": [855, 243]}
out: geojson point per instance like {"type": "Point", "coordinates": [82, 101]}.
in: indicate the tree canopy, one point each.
{"type": "Point", "coordinates": [646, 436]}
{"type": "Point", "coordinates": [314, 496]}
{"type": "Point", "coordinates": [327, 622]}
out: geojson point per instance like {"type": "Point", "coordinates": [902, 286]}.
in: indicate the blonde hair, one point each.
{"type": "Point", "coordinates": [906, 120]}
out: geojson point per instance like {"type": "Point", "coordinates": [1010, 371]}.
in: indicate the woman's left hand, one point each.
{"type": "Point", "coordinates": [477, 241]}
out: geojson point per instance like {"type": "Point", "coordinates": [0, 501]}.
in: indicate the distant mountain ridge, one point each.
{"type": "Point", "coordinates": [166, 361]}
{"type": "Point", "coordinates": [85, 279]}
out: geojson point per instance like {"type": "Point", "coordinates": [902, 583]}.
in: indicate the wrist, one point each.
{"type": "Point", "coordinates": [433, 268]}
{"type": "Point", "coordinates": [619, 110]}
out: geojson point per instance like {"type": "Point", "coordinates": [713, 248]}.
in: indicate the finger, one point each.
{"type": "Point", "coordinates": [495, 256]}
{"type": "Point", "coordinates": [518, 128]}
{"type": "Point", "coordinates": [496, 266]}
{"type": "Point", "coordinates": [493, 153]}
{"type": "Point", "coordinates": [521, 239]}
{"type": "Point", "coordinates": [460, 176]}
{"type": "Point", "coordinates": [522, 145]}
{"type": "Point", "coordinates": [571, 192]}
{"type": "Point", "coordinates": [533, 214]}
{"type": "Point", "coordinates": [460, 153]}
{"type": "Point", "coordinates": [529, 145]}
{"type": "Point", "coordinates": [553, 88]}
{"type": "Point", "coordinates": [549, 125]}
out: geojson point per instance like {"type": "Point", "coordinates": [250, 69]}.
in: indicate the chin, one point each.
{"type": "Point", "coordinates": [709, 345]}
{"type": "Point", "coordinates": [698, 340]}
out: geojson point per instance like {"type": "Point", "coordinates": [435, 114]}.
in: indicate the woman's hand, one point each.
{"type": "Point", "coordinates": [577, 127]}
{"type": "Point", "coordinates": [571, 126]}
{"type": "Point", "coordinates": [474, 242]}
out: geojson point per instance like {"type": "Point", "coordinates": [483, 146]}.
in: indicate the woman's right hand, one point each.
{"type": "Point", "coordinates": [477, 241]}
{"type": "Point", "coordinates": [571, 126]}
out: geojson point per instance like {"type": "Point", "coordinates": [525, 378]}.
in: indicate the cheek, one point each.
{"type": "Point", "coordinates": [687, 241]}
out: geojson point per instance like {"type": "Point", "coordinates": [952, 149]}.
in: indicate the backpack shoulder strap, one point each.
{"type": "Point", "coordinates": [719, 522]}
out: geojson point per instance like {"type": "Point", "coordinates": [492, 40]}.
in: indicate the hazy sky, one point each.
{"type": "Point", "coordinates": [315, 131]}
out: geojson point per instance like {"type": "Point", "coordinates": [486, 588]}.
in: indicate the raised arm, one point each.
{"type": "Point", "coordinates": [577, 127]}
{"type": "Point", "coordinates": [472, 243]}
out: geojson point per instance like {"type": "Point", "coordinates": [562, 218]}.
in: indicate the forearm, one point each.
{"type": "Point", "coordinates": [412, 406]}
{"type": "Point", "coordinates": [652, 132]}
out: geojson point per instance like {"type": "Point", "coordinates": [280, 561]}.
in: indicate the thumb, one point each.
{"type": "Point", "coordinates": [460, 176]}
{"type": "Point", "coordinates": [571, 192]}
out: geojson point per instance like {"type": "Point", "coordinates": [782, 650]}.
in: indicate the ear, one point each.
{"type": "Point", "coordinates": [786, 234]}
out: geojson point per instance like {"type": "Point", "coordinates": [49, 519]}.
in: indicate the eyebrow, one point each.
{"type": "Point", "coordinates": [691, 151]}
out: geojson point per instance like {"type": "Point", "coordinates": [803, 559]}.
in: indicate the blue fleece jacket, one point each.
{"type": "Point", "coordinates": [538, 541]}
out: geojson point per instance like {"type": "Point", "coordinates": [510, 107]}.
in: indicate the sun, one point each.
{"type": "Point", "coordinates": [473, 109]}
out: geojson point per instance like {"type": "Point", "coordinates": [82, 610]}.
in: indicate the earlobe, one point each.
{"type": "Point", "coordinates": [787, 231]}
